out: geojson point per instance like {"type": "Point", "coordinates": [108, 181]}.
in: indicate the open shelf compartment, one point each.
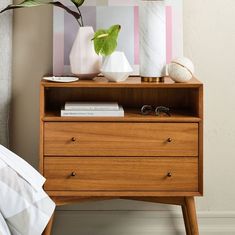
{"type": "Point", "coordinates": [182, 99]}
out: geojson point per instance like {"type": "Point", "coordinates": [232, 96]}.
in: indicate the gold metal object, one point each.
{"type": "Point", "coordinates": [152, 79]}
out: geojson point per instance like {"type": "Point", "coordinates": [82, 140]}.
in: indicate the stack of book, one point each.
{"type": "Point", "coordinates": [94, 109]}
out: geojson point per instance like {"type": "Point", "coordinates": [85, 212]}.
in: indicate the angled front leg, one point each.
{"type": "Point", "coordinates": [191, 216]}
{"type": "Point", "coordinates": [186, 220]}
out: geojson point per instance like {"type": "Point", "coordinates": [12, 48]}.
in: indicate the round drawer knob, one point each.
{"type": "Point", "coordinates": [169, 174]}
{"type": "Point", "coordinates": [73, 174]}
{"type": "Point", "coordinates": [73, 139]}
{"type": "Point", "coordinates": [169, 140]}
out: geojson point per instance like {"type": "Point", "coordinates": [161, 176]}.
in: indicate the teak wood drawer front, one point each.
{"type": "Point", "coordinates": [120, 139]}
{"type": "Point", "coordinates": [121, 174]}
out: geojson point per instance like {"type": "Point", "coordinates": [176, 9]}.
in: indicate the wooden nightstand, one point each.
{"type": "Point", "coordinates": [145, 158]}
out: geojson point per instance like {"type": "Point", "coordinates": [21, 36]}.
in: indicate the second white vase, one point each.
{"type": "Point", "coordinates": [84, 61]}
{"type": "Point", "coordinates": [116, 67]}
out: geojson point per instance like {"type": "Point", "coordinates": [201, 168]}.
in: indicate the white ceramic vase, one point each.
{"type": "Point", "coordinates": [116, 67]}
{"type": "Point", "coordinates": [152, 38]}
{"type": "Point", "coordinates": [84, 61]}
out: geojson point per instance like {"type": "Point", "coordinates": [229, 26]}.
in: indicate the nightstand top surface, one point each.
{"type": "Point", "coordinates": [131, 82]}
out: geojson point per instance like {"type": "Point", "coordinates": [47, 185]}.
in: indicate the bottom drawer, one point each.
{"type": "Point", "coordinates": [176, 174]}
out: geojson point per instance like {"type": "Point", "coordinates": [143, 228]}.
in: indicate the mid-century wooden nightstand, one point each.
{"type": "Point", "coordinates": [144, 158]}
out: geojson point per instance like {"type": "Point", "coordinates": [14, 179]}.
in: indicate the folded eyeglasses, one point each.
{"type": "Point", "coordinates": [159, 110]}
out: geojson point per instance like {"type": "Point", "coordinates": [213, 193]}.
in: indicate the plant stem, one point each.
{"type": "Point", "coordinates": [81, 17]}
{"type": "Point", "coordinates": [76, 15]}
{"type": "Point", "coordinates": [9, 8]}
{"type": "Point", "coordinates": [79, 23]}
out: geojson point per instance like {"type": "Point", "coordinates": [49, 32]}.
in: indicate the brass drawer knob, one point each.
{"type": "Point", "coordinates": [73, 139]}
{"type": "Point", "coordinates": [73, 174]}
{"type": "Point", "coordinates": [169, 140]}
{"type": "Point", "coordinates": [169, 174]}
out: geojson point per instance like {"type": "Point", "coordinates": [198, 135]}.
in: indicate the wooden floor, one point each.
{"type": "Point", "coordinates": [187, 204]}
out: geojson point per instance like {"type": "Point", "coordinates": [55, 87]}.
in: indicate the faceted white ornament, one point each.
{"type": "Point", "coordinates": [84, 61]}
{"type": "Point", "coordinates": [116, 67]}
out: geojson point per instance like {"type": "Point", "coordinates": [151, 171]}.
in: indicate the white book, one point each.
{"type": "Point", "coordinates": [93, 113]}
{"type": "Point", "coordinates": [90, 106]}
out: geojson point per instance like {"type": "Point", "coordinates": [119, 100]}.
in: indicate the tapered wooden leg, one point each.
{"type": "Point", "coordinates": [48, 228]}
{"type": "Point", "coordinates": [191, 215]}
{"type": "Point", "coordinates": [186, 220]}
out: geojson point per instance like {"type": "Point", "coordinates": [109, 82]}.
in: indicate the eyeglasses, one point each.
{"type": "Point", "coordinates": [159, 110]}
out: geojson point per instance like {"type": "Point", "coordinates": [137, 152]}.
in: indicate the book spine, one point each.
{"type": "Point", "coordinates": [90, 108]}
{"type": "Point", "coordinates": [71, 113]}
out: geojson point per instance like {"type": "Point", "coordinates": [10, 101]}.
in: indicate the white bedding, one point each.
{"type": "Point", "coordinates": [24, 210]}
{"type": "Point", "coordinates": [22, 168]}
{"type": "Point", "coordinates": [4, 230]}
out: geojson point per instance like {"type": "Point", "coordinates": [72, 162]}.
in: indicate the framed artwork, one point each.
{"type": "Point", "coordinates": [103, 14]}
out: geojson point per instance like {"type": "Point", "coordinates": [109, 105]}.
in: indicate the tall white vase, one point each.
{"type": "Point", "coordinates": [84, 62]}
{"type": "Point", "coordinates": [152, 38]}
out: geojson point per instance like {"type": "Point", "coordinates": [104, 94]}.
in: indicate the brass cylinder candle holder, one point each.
{"type": "Point", "coordinates": [152, 79]}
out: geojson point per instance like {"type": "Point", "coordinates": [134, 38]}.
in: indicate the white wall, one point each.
{"type": "Point", "coordinates": [210, 41]}
{"type": "Point", "coordinates": [209, 34]}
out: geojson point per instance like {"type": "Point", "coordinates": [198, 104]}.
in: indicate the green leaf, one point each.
{"type": "Point", "coordinates": [31, 3]}
{"type": "Point", "coordinates": [114, 30]}
{"type": "Point", "coordinates": [105, 41]}
{"type": "Point", "coordinates": [78, 3]}
{"type": "Point", "coordinates": [25, 3]}
{"type": "Point", "coordinates": [36, 3]}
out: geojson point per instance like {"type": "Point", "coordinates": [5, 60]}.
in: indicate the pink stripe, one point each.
{"type": "Point", "coordinates": [136, 35]}
{"type": "Point", "coordinates": [169, 34]}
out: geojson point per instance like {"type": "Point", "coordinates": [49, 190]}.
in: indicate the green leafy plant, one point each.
{"type": "Point", "coordinates": [105, 40]}
{"type": "Point", "coordinates": [35, 3]}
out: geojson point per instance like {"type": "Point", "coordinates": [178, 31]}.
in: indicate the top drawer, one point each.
{"type": "Point", "coordinates": [120, 139]}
